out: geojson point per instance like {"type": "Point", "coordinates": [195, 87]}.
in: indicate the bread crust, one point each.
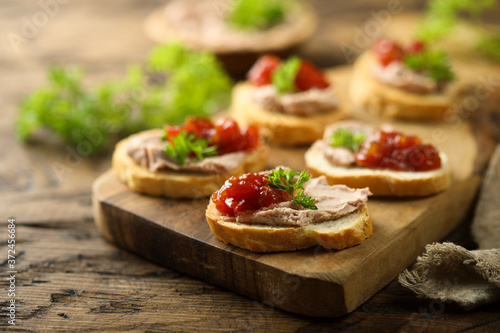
{"type": "Point", "coordinates": [282, 129]}
{"type": "Point", "coordinates": [174, 184]}
{"type": "Point", "coordinates": [381, 99]}
{"type": "Point", "coordinates": [380, 182]}
{"type": "Point", "coordinates": [338, 234]}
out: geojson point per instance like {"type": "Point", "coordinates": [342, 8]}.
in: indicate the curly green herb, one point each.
{"type": "Point", "coordinates": [343, 137]}
{"type": "Point", "coordinates": [433, 63]}
{"type": "Point", "coordinates": [257, 14]}
{"type": "Point", "coordinates": [283, 180]}
{"type": "Point", "coordinates": [283, 78]}
{"type": "Point", "coordinates": [184, 145]}
{"type": "Point", "coordinates": [177, 83]}
{"type": "Point", "coordinates": [444, 15]}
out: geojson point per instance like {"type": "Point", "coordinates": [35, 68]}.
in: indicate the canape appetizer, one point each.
{"type": "Point", "coordinates": [188, 161]}
{"type": "Point", "coordinates": [235, 30]}
{"type": "Point", "coordinates": [385, 161]}
{"type": "Point", "coordinates": [282, 210]}
{"type": "Point", "coordinates": [413, 82]}
{"type": "Point", "coordinates": [291, 99]}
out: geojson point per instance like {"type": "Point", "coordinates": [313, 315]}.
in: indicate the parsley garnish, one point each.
{"type": "Point", "coordinates": [283, 78]}
{"type": "Point", "coordinates": [257, 14]}
{"type": "Point", "coordinates": [490, 45]}
{"type": "Point", "coordinates": [444, 15]}
{"type": "Point", "coordinates": [345, 138]}
{"type": "Point", "coordinates": [184, 144]}
{"type": "Point", "coordinates": [195, 85]}
{"type": "Point", "coordinates": [433, 63]}
{"type": "Point", "coordinates": [283, 180]}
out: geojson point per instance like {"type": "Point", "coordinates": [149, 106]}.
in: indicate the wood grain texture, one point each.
{"type": "Point", "coordinates": [70, 279]}
{"type": "Point", "coordinates": [313, 282]}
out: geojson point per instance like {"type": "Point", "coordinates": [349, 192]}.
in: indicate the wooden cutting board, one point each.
{"type": "Point", "coordinates": [315, 281]}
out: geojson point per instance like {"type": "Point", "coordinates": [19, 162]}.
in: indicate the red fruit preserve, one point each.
{"type": "Point", "coordinates": [308, 76]}
{"type": "Point", "coordinates": [395, 151]}
{"type": "Point", "coordinates": [249, 192]}
{"type": "Point", "coordinates": [225, 134]}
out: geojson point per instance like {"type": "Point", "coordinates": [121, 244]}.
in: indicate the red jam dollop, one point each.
{"type": "Point", "coordinates": [225, 134]}
{"type": "Point", "coordinates": [395, 151]}
{"type": "Point", "coordinates": [389, 51]}
{"type": "Point", "coordinates": [261, 72]}
{"type": "Point", "coordinates": [308, 76]}
{"type": "Point", "coordinates": [249, 192]}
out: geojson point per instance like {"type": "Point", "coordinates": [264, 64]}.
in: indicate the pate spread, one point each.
{"type": "Point", "coordinates": [305, 103]}
{"type": "Point", "coordinates": [341, 156]}
{"type": "Point", "coordinates": [146, 149]}
{"type": "Point", "coordinates": [400, 76]}
{"type": "Point", "coordinates": [333, 202]}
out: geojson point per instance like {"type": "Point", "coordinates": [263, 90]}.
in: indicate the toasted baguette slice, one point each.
{"type": "Point", "coordinates": [299, 26]}
{"type": "Point", "coordinates": [380, 182]}
{"type": "Point", "coordinates": [347, 231]}
{"type": "Point", "coordinates": [283, 129]}
{"type": "Point", "coordinates": [236, 49]}
{"type": "Point", "coordinates": [381, 99]}
{"type": "Point", "coordinates": [174, 184]}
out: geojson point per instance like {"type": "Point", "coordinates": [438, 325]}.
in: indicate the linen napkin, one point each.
{"type": "Point", "coordinates": [449, 272]}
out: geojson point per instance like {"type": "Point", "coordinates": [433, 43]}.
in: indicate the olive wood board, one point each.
{"type": "Point", "coordinates": [314, 281]}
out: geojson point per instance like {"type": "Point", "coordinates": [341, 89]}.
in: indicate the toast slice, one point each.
{"type": "Point", "coordinates": [380, 182]}
{"type": "Point", "coordinates": [282, 129]}
{"type": "Point", "coordinates": [175, 184]}
{"type": "Point", "coordinates": [368, 93]}
{"type": "Point", "coordinates": [346, 231]}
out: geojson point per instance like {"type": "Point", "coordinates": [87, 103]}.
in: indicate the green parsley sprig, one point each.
{"type": "Point", "coordinates": [283, 180]}
{"type": "Point", "coordinates": [257, 14]}
{"type": "Point", "coordinates": [193, 83]}
{"type": "Point", "coordinates": [283, 78]}
{"type": "Point", "coordinates": [185, 144]}
{"type": "Point", "coordinates": [443, 16]}
{"type": "Point", "coordinates": [433, 63]}
{"type": "Point", "coordinates": [490, 45]}
{"type": "Point", "coordinates": [343, 137]}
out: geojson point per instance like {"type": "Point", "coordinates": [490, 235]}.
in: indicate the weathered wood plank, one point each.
{"type": "Point", "coordinates": [313, 282]}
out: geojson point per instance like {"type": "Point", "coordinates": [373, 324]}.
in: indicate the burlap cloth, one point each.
{"type": "Point", "coordinates": [449, 272]}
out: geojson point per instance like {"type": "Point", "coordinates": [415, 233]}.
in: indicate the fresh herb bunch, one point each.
{"type": "Point", "coordinates": [185, 144]}
{"type": "Point", "coordinates": [257, 14]}
{"type": "Point", "coordinates": [343, 137]}
{"type": "Point", "coordinates": [283, 180]}
{"type": "Point", "coordinates": [490, 45]}
{"type": "Point", "coordinates": [193, 84]}
{"type": "Point", "coordinates": [433, 63]}
{"type": "Point", "coordinates": [443, 15]}
{"type": "Point", "coordinates": [66, 108]}
{"type": "Point", "coordinates": [283, 78]}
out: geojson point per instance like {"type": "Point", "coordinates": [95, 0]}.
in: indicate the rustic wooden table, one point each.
{"type": "Point", "coordinates": [68, 277]}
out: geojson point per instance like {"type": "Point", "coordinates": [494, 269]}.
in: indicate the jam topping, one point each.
{"type": "Point", "coordinates": [249, 192]}
{"type": "Point", "coordinates": [389, 51]}
{"type": "Point", "coordinates": [308, 76]}
{"type": "Point", "coordinates": [261, 72]}
{"type": "Point", "coordinates": [395, 151]}
{"type": "Point", "coordinates": [225, 134]}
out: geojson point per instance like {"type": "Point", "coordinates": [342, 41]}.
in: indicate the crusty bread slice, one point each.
{"type": "Point", "coordinates": [347, 231]}
{"type": "Point", "coordinates": [283, 129]}
{"type": "Point", "coordinates": [298, 27]}
{"type": "Point", "coordinates": [380, 182]}
{"type": "Point", "coordinates": [174, 184]}
{"type": "Point", "coordinates": [381, 99]}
